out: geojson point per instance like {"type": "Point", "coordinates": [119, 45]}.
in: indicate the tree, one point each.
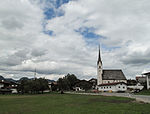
{"type": "Point", "coordinates": [84, 85]}
{"type": "Point", "coordinates": [54, 86]}
{"type": "Point", "coordinates": [33, 86]}
{"type": "Point", "coordinates": [63, 84]}
{"type": "Point", "coordinates": [22, 87]}
{"type": "Point", "coordinates": [72, 79]}
{"type": "Point", "coordinates": [43, 84]}
{"type": "Point", "coordinates": [67, 82]}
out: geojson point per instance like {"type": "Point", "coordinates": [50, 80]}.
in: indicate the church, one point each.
{"type": "Point", "coordinates": [110, 79]}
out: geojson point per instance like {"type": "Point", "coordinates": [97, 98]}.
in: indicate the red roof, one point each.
{"type": "Point", "coordinates": [3, 82]}
{"type": "Point", "coordinates": [139, 77]}
{"type": "Point", "coordinates": [10, 87]}
{"type": "Point", "coordinates": [115, 83]}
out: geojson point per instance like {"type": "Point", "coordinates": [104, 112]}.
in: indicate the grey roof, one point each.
{"type": "Point", "coordinates": [113, 75]}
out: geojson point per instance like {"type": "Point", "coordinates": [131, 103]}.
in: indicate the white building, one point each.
{"type": "Point", "coordinates": [1, 85]}
{"type": "Point", "coordinates": [79, 89]}
{"type": "Point", "coordinates": [142, 79]}
{"type": "Point", "coordinates": [109, 77]}
{"type": "Point", "coordinates": [147, 79]}
{"type": "Point", "coordinates": [113, 87]}
{"type": "Point", "coordinates": [138, 86]}
{"type": "Point", "coordinates": [9, 86]}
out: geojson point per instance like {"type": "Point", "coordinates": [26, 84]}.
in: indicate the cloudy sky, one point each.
{"type": "Point", "coordinates": [62, 36]}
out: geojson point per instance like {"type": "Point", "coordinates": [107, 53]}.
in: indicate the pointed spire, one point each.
{"type": "Point", "coordinates": [99, 56]}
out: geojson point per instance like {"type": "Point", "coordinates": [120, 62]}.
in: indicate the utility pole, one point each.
{"type": "Point", "coordinates": [147, 81]}
{"type": "Point", "coordinates": [35, 74]}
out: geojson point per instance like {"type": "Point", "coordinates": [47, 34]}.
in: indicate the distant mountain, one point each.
{"type": "Point", "coordinates": [23, 78]}
{"type": "Point", "coordinates": [2, 78]}
{"type": "Point", "coordinates": [10, 80]}
{"type": "Point", "coordinates": [50, 80]}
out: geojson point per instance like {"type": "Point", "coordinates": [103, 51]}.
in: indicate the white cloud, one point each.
{"type": "Point", "coordinates": [123, 24]}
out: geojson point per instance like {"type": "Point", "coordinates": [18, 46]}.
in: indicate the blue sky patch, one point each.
{"type": "Point", "coordinates": [60, 2]}
{"type": "Point", "coordinates": [88, 33]}
{"type": "Point", "coordinates": [49, 32]}
{"type": "Point", "coordinates": [109, 48]}
{"type": "Point", "coordinates": [50, 12]}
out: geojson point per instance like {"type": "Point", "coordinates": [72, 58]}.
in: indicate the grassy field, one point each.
{"type": "Point", "coordinates": [144, 92]}
{"type": "Point", "coordinates": [70, 104]}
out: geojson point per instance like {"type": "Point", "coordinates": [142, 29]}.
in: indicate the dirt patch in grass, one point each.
{"type": "Point", "coordinates": [110, 100]}
{"type": "Point", "coordinates": [139, 102]}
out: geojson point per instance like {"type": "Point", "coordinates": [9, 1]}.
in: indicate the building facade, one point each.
{"type": "Point", "coordinates": [113, 87]}
{"type": "Point", "coordinates": [109, 76]}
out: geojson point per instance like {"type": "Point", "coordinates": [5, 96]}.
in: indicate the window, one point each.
{"type": "Point", "coordinates": [108, 81]}
{"type": "Point", "coordinates": [123, 87]}
{"type": "Point", "coordinates": [110, 87]}
{"type": "Point", "coordinates": [119, 87]}
{"type": "Point", "coordinates": [107, 86]}
{"type": "Point", "coordinates": [104, 87]}
{"type": "Point", "coordinates": [101, 87]}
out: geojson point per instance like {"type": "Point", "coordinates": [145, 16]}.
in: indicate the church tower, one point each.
{"type": "Point", "coordinates": [99, 69]}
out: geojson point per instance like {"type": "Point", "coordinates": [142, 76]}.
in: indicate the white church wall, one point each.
{"type": "Point", "coordinates": [113, 88]}
{"type": "Point", "coordinates": [107, 88]}
{"type": "Point", "coordinates": [121, 87]}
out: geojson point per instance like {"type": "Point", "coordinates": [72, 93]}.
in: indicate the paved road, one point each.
{"type": "Point", "coordinates": [143, 98]}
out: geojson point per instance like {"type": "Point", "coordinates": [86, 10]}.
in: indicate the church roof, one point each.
{"type": "Point", "coordinates": [113, 75]}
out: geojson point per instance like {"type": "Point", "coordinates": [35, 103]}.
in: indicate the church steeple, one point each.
{"type": "Point", "coordinates": [99, 69]}
{"type": "Point", "coordinates": [99, 56]}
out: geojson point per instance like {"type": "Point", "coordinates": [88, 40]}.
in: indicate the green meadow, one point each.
{"type": "Point", "coordinates": [70, 104]}
{"type": "Point", "coordinates": [144, 92]}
